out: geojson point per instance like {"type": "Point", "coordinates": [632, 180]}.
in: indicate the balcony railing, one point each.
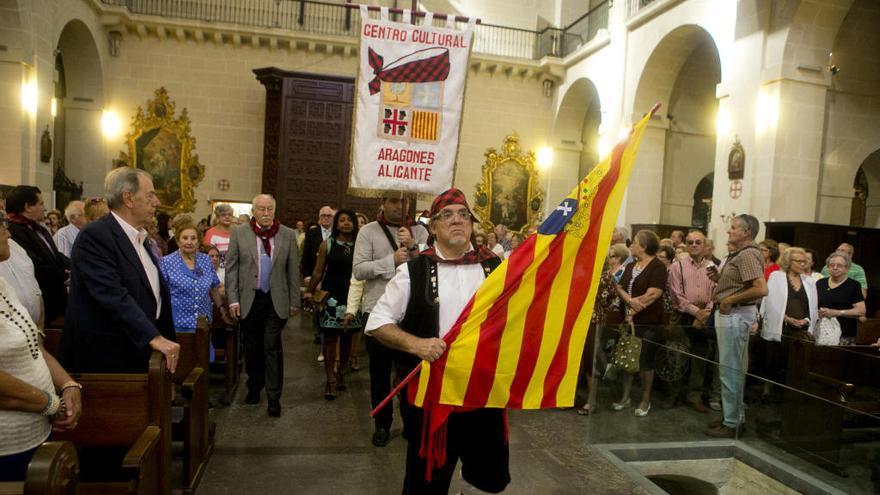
{"type": "Point", "coordinates": [336, 20]}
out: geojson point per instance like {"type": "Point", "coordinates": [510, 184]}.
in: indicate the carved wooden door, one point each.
{"type": "Point", "coordinates": [306, 156]}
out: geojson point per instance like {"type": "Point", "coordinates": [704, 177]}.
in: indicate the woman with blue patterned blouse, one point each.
{"type": "Point", "coordinates": [192, 281]}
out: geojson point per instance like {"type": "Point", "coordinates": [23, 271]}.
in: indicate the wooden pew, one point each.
{"type": "Point", "coordinates": [228, 357]}
{"type": "Point", "coordinates": [868, 331]}
{"type": "Point", "coordinates": [53, 470]}
{"type": "Point", "coordinates": [129, 413]}
{"type": "Point", "coordinates": [191, 420]}
{"type": "Point", "coordinates": [846, 378]}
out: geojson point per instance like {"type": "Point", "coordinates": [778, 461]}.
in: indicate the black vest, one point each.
{"type": "Point", "coordinates": [422, 317]}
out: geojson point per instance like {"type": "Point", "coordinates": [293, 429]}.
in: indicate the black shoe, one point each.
{"type": "Point", "coordinates": [252, 398]}
{"type": "Point", "coordinates": [274, 408]}
{"type": "Point", "coordinates": [381, 437]}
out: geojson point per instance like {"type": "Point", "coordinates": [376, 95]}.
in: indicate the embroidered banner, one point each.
{"type": "Point", "coordinates": [410, 91]}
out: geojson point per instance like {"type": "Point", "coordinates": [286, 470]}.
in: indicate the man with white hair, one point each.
{"type": "Point", "coordinates": [262, 285]}
{"type": "Point", "coordinates": [76, 218]}
{"type": "Point", "coordinates": [119, 309]}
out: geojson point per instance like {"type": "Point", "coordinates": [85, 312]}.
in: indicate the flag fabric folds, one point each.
{"type": "Point", "coordinates": [518, 342]}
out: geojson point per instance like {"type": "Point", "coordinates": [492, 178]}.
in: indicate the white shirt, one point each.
{"type": "Point", "coordinates": [18, 270]}
{"type": "Point", "coordinates": [456, 285]}
{"type": "Point", "coordinates": [137, 238]}
{"type": "Point", "coordinates": [498, 250]}
{"type": "Point", "coordinates": [20, 431]}
{"type": "Point", "coordinates": [65, 237]}
{"type": "Point", "coordinates": [325, 233]}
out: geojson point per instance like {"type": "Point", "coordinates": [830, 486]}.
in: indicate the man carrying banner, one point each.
{"type": "Point", "coordinates": [381, 247]}
{"type": "Point", "coordinates": [420, 305]}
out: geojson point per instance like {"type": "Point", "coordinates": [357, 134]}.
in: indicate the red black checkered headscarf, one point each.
{"type": "Point", "coordinates": [455, 197]}
{"type": "Point", "coordinates": [431, 68]}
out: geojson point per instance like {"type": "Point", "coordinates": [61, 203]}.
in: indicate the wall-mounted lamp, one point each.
{"type": "Point", "coordinates": [115, 39]}
{"type": "Point", "coordinates": [111, 124]}
{"type": "Point", "coordinates": [548, 88]}
{"type": "Point", "coordinates": [545, 157]}
{"type": "Point", "coordinates": [53, 107]}
{"type": "Point", "coordinates": [766, 111]}
{"type": "Point", "coordinates": [29, 94]}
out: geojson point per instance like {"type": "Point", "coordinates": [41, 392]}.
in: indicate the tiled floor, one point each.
{"type": "Point", "coordinates": [321, 447]}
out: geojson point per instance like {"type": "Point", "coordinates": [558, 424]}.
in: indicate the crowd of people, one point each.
{"type": "Point", "coordinates": [757, 299]}
{"type": "Point", "coordinates": [123, 280]}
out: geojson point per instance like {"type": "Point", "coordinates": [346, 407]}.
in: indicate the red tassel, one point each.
{"type": "Point", "coordinates": [434, 429]}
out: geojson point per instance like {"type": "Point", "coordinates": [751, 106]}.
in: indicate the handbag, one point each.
{"type": "Point", "coordinates": [627, 351]}
{"type": "Point", "coordinates": [828, 331]}
{"type": "Point", "coordinates": [319, 299]}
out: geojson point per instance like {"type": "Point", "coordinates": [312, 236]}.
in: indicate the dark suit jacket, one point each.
{"type": "Point", "coordinates": [311, 244]}
{"type": "Point", "coordinates": [111, 317]}
{"type": "Point", "coordinates": [50, 268]}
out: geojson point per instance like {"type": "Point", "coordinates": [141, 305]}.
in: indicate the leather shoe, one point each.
{"type": "Point", "coordinates": [381, 437]}
{"type": "Point", "coordinates": [721, 432]}
{"type": "Point", "coordinates": [252, 398]}
{"type": "Point", "coordinates": [697, 406]}
{"type": "Point", "coordinates": [274, 408]}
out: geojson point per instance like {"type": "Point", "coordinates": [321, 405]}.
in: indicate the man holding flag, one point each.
{"type": "Point", "coordinates": [420, 305]}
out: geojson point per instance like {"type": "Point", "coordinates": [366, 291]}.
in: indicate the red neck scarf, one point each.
{"type": "Point", "coordinates": [266, 234]}
{"type": "Point", "coordinates": [469, 258]}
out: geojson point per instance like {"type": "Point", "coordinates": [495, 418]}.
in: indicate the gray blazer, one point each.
{"type": "Point", "coordinates": [242, 267]}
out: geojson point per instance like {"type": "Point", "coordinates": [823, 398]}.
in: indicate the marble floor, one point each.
{"type": "Point", "coordinates": [320, 446]}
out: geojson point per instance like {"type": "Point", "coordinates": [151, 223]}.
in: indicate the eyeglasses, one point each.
{"type": "Point", "coordinates": [800, 262]}
{"type": "Point", "coordinates": [326, 215]}
{"type": "Point", "coordinates": [691, 241]}
{"type": "Point", "coordinates": [446, 215]}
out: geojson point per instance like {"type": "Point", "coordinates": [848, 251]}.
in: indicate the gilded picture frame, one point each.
{"type": "Point", "coordinates": [508, 193]}
{"type": "Point", "coordinates": [163, 146]}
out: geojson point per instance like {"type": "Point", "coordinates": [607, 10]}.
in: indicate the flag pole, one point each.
{"type": "Point", "coordinates": [412, 374]}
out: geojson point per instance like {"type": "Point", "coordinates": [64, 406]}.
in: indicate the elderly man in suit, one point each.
{"type": "Point", "coordinates": [119, 309]}
{"type": "Point", "coordinates": [262, 284]}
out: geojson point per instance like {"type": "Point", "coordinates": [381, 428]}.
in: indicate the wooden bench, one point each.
{"type": "Point", "coordinates": [53, 470]}
{"type": "Point", "coordinates": [868, 331]}
{"type": "Point", "coordinates": [191, 419]}
{"type": "Point", "coordinates": [129, 414]}
{"type": "Point", "coordinates": [227, 358]}
{"type": "Point", "coordinates": [844, 381]}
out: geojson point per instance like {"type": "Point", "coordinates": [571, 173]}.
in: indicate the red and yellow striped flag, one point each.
{"type": "Point", "coordinates": [518, 342]}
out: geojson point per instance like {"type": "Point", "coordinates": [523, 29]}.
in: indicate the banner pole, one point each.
{"type": "Point", "coordinates": [412, 374]}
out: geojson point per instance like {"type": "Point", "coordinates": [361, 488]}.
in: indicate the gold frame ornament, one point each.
{"type": "Point", "coordinates": [509, 188]}
{"type": "Point", "coordinates": [163, 145]}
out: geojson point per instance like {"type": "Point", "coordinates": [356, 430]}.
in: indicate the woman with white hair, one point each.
{"type": "Point", "coordinates": [790, 306]}
{"type": "Point", "coordinates": [841, 297]}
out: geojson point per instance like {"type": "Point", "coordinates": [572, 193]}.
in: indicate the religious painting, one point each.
{"type": "Point", "coordinates": [162, 145]}
{"type": "Point", "coordinates": [736, 160]}
{"type": "Point", "coordinates": [508, 194]}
